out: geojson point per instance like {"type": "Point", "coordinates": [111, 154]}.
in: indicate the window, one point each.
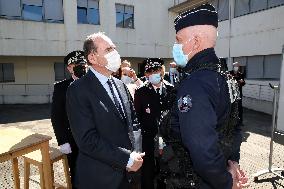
{"type": "Point", "coordinates": [32, 12]}
{"type": "Point", "coordinates": [82, 15]}
{"type": "Point", "coordinates": [10, 8]}
{"type": "Point", "coordinates": [261, 67]}
{"type": "Point", "coordinates": [274, 3]}
{"type": "Point", "coordinates": [222, 7]}
{"type": "Point", "coordinates": [223, 10]}
{"type": "Point", "coordinates": [243, 7]}
{"type": "Point", "coordinates": [35, 10]}
{"type": "Point", "coordinates": [88, 12]}
{"type": "Point", "coordinates": [61, 72]}
{"type": "Point", "coordinates": [255, 67]}
{"type": "Point", "coordinates": [272, 66]}
{"type": "Point", "coordinates": [53, 10]}
{"type": "Point", "coordinates": [7, 72]}
{"type": "Point", "coordinates": [257, 5]}
{"type": "Point", "coordinates": [124, 16]}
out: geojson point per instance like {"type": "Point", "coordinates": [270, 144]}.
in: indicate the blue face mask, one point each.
{"type": "Point", "coordinates": [180, 58]}
{"type": "Point", "coordinates": [173, 70]}
{"type": "Point", "coordinates": [155, 78]}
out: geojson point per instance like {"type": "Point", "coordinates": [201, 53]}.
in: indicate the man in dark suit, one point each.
{"type": "Point", "coordinates": [149, 100]}
{"type": "Point", "coordinates": [76, 63]}
{"type": "Point", "coordinates": [101, 118]}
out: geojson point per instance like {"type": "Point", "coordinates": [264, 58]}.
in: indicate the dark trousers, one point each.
{"type": "Point", "coordinates": [148, 167]}
{"type": "Point", "coordinates": [72, 163]}
{"type": "Point", "coordinates": [240, 107]}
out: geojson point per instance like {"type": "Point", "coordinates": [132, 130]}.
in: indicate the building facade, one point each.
{"type": "Point", "coordinates": [35, 35]}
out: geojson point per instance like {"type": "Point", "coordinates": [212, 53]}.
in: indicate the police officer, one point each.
{"type": "Point", "coordinates": [240, 78]}
{"type": "Point", "coordinates": [206, 106]}
{"type": "Point", "coordinates": [149, 100]}
{"type": "Point", "coordinates": [76, 63]}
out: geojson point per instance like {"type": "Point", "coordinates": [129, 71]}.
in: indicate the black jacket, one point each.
{"type": "Point", "coordinates": [59, 117]}
{"type": "Point", "coordinates": [239, 76]}
{"type": "Point", "coordinates": [103, 138]}
{"type": "Point", "coordinates": [148, 106]}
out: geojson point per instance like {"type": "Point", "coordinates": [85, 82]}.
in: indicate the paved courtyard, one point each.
{"type": "Point", "coordinates": [254, 149]}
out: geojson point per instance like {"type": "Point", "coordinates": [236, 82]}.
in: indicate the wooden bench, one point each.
{"type": "Point", "coordinates": [35, 158]}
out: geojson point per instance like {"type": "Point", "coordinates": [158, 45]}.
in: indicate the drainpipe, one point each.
{"type": "Point", "coordinates": [231, 12]}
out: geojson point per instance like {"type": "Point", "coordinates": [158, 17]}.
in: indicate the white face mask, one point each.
{"type": "Point", "coordinates": [126, 80]}
{"type": "Point", "coordinates": [236, 69]}
{"type": "Point", "coordinates": [113, 61]}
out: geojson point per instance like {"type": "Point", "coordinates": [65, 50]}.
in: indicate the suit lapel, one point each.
{"type": "Point", "coordinates": [126, 103]}
{"type": "Point", "coordinates": [98, 89]}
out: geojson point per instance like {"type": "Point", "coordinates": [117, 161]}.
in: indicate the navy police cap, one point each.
{"type": "Point", "coordinates": [152, 63]}
{"type": "Point", "coordinates": [75, 57]}
{"type": "Point", "coordinates": [202, 15]}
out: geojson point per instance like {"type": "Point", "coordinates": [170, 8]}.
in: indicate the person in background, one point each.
{"type": "Point", "coordinates": [239, 76]}
{"type": "Point", "coordinates": [129, 77]}
{"type": "Point", "coordinates": [165, 75]}
{"type": "Point", "coordinates": [149, 100]}
{"type": "Point", "coordinates": [174, 74]}
{"type": "Point", "coordinates": [76, 66]}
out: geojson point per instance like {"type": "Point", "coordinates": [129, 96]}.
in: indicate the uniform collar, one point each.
{"type": "Point", "coordinates": [205, 56]}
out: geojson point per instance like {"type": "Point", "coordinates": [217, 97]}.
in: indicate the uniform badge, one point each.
{"type": "Point", "coordinates": [148, 109]}
{"type": "Point", "coordinates": [185, 103]}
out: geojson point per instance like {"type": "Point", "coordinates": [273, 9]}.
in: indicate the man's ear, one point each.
{"type": "Point", "coordinates": [92, 58]}
{"type": "Point", "coordinates": [197, 40]}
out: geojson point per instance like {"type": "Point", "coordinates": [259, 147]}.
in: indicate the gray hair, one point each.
{"type": "Point", "coordinates": [90, 45]}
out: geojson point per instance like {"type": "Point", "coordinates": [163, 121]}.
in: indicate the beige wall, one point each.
{"type": "Point", "coordinates": [34, 78]}
{"type": "Point", "coordinates": [259, 33]}
{"type": "Point", "coordinates": [150, 38]}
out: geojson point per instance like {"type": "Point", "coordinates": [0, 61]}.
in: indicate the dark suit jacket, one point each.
{"type": "Point", "coordinates": [167, 77]}
{"type": "Point", "coordinates": [59, 117]}
{"type": "Point", "coordinates": [103, 138]}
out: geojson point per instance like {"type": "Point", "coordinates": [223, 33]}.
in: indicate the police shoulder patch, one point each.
{"type": "Point", "coordinates": [185, 103]}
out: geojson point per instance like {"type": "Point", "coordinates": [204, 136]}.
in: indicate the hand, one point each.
{"type": "Point", "coordinates": [132, 74]}
{"type": "Point", "coordinates": [241, 176]}
{"type": "Point", "coordinates": [126, 71]}
{"type": "Point", "coordinates": [233, 171]}
{"type": "Point", "coordinates": [240, 180]}
{"type": "Point", "coordinates": [65, 148]}
{"type": "Point", "coordinates": [138, 161]}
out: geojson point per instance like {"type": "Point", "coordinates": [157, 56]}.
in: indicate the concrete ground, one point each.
{"type": "Point", "coordinates": [254, 149]}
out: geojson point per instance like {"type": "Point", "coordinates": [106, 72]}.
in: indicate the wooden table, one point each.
{"type": "Point", "coordinates": [15, 142]}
